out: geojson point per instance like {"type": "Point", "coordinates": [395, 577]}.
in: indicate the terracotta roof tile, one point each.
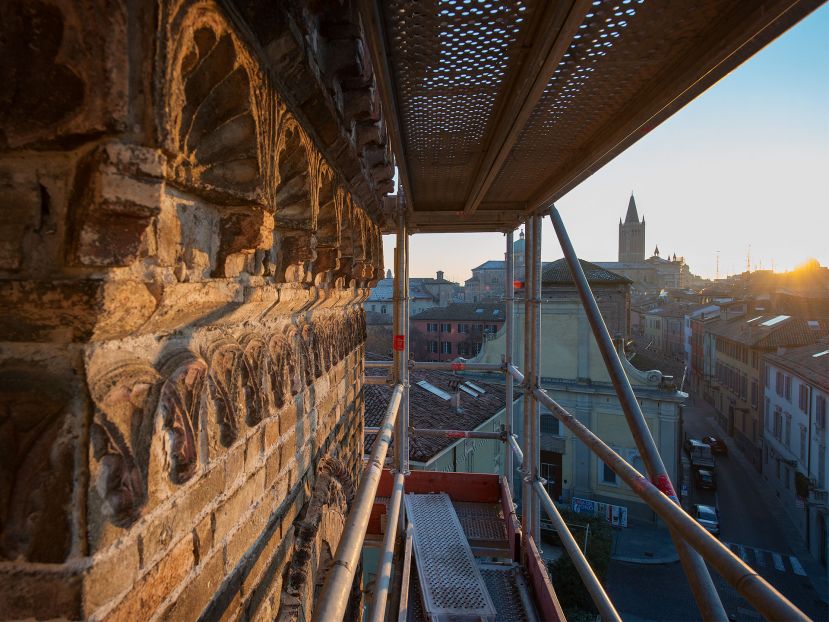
{"type": "Point", "coordinates": [432, 412]}
{"type": "Point", "coordinates": [558, 272]}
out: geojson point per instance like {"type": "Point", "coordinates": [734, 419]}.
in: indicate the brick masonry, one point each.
{"type": "Point", "coordinates": [186, 240]}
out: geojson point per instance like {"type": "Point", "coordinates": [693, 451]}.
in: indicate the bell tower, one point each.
{"type": "Point", "coordinates": [632, 235]}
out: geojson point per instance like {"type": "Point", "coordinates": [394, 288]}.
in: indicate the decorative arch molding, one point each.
{"type": "Point", "coordinates": [329, 222]}
{"type": "Point", "coordinates": [210, 109]}
{"type": "Point", "coordinates": [120, 436]}
{"type": "Point", "coordinates": [230, 139]}
{"type": "Point", "coordinates": [318, 534]}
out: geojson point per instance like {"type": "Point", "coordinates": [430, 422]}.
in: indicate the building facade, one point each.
{"type": "Point", "coordinates": [795, 450]}
{"type": "Point", "coordinates": [424, 293]}
{"type": "Point", "coordinates": [487, 281]}
{"type": "Point", "coordinates": [458, 330]}
{"type": "Point", "coordinates": [574, 374]}
{"type": "Point", "coordinates": [738, 384]}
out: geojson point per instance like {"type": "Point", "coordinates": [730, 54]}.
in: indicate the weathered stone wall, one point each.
{"type": "Point", "coordinates": [184, 252]}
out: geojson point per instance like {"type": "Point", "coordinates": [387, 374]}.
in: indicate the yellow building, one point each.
{"type": "Point", "coordinates": [574, 374]}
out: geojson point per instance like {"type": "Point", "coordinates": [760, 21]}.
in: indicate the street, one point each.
{"type": "Point", "coordinates": [747, 526]}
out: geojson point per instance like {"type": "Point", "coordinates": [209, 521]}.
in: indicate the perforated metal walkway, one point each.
{"type": "Point", "coordinates": [452, 587]}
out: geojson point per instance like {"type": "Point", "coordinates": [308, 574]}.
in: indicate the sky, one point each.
{"type": "Point", "coordinates": [744, 168]}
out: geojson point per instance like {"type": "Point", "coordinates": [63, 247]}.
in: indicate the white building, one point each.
{"type": "Point", "coordinates": [794, 448]}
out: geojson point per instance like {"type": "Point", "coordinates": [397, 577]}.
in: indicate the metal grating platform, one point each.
{"type": "Point", "coordinates": [451, 583]}
{"type": "Point", "coordinates": [482, 521]}
{"type": "Point", "coordinates": [509, 591]}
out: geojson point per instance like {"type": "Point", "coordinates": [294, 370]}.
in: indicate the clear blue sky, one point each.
{"type": "Point", "coordinates": [747, 162]}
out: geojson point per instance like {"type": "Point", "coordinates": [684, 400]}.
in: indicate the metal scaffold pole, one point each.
{"type": "Point", "coordinates": [403, 464]}
{"type": "Point", "coordinates": [509, 298]}
{"type": "Point", "coordinates": [535, 380]}
{"type": "Point", "coordinates": [526, 403]}
{"type": "Point", "coordinates": [400, 343]}
{"type": "Point", "coordinates": [699, 579]}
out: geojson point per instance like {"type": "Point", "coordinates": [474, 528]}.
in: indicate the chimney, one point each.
{"type": "Point", "coordinates": [440, 275]}
{"type": "Point", "coordinates": [455, 387]}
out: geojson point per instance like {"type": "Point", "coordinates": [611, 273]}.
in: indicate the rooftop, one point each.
{"type": "Point", "coordinates": [472, 311]}
{"type": "Point", "coordinates": [558, 272]}
{"type": "Point", "coordinates": [809, 362]}
{"type": "Point", "coordinates": [427, 410]}
{"type": "Point", "coordinates": [770, 330]}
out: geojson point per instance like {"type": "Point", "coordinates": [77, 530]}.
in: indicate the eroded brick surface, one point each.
{"type": "Point", "coordinates": [182, 264]}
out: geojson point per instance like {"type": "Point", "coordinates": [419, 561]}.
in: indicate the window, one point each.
{"type": "Point", "coordinates": [549, 424]}
{"type": "Point", "coordinates": [431, 328]}
{"type": "Point", "coordinates": [788, 387]}
{"type": "Point", "coordinates": [788, 429]}
{"type": "Point", "coordinates": [374, 307]}
{"type": "Point", "coordinates": [788, 477]}
{"type": "Point", "coordinates": [778, 383]}
{"type": "Point", "coordinates": [607, 474]}
{"type": "Point", "coordinates": [754, 393]}
{"type": "Point", "coordinates": [433, 347]}
{"type": "Point", "coordinates": [463, 328]}
{"type": "Point", "coordinates": [803, 400]}
{"type": "Point", "coordinates": [744, 387]}
{"type": "Point", "coordinates": [768, 414]}
{"type": "Point", "coordinates": [446, 328]}
{"type": "Point", "coordinates": [383, 309]}
{"type": "Point", "coordinates": [463, 349]}
{"type": "Point", "coordinates": [445, 347]}
{"type": "Point", "coordinates": [803, 443]}
{"type": "Point", "coordinates": [820, 411]}
{"type": "Point", "coordinates": [778, 422]}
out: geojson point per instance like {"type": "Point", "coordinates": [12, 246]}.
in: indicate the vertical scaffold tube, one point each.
{"type": "Point", "coordinates": [382, 581]}
{"type": "Point", "coordinates": [536, 378]}
{"type": "Point", "coordinates": [526, 402]}
{"type": "Point", "coordinates": [403, 464]}
{"type": "Point", "coordinates": [699, 579]}
{"type": "Point", "coordinates": [509, 298]}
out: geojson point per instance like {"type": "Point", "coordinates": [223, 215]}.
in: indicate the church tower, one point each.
{"type": "Point", "coordinates": [632, 235]}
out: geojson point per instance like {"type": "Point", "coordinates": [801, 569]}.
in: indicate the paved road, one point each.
{"type": "Point", "coordinates": [747, 527]}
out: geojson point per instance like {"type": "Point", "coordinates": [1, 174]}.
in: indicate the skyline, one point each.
{"type": "Point", "coordinates": [755, 143]}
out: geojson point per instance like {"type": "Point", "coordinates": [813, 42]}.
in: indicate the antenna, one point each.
{"type": "Point", "coordinates": [748, 259]}
{"type": "Point", "coordinates": [717, 277]}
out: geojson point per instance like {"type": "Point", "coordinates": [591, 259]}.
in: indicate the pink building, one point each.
{"type": "Point", "coordinates": [445, 333]}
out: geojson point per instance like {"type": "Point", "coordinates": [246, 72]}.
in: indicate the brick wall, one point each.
{"type": "Point", "coordinates": [183, 262]}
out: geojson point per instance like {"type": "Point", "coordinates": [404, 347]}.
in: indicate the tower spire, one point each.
{"type": "Point", "coordinates": [632, 215]}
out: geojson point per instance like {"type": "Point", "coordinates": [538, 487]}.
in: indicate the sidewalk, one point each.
{"type": "Point", "coordinates": [643, 543]}
{"type": "Point", "coordinates": [816, 573]}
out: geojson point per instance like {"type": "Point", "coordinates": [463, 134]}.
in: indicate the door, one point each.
{"type": "Point", "coordinates": [551, 471]}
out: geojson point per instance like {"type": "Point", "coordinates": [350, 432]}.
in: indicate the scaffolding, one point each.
{"type": "Point", "coordinates": [694, 544]}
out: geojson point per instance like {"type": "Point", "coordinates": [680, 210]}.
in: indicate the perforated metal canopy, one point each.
{"type": "Point", "coordinates": [497, 108]}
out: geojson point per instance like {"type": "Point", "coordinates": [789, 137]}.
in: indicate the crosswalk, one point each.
{"type": "Point", "coordinates": [762, 558]}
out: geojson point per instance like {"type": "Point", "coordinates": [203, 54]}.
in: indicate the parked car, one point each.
{"type": "Point", "coordinates": [702, 457]}
{"type": "Point", "coordinates": [716, 444]}
{"type": "Point", "coordinates": [708, 517]}
{"type": "Point", "coordinates": [706, 479]}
